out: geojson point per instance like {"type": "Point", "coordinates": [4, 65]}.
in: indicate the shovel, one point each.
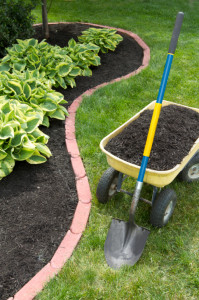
{"type": "Point", "coordinates": [125, 240]}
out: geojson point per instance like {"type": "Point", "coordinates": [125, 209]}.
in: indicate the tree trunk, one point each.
{"type": "Point", "coordinates": [45, 20]}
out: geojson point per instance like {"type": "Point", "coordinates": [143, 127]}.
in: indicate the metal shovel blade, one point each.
{"type": "Point", "coordinates": [124, 243]}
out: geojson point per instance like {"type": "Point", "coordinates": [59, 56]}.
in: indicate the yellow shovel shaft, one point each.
{"type": "Point", "coordinates": [152, 129]}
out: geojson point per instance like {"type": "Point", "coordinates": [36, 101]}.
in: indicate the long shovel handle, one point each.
{"type": "Point", "coordinates": [156, 113]}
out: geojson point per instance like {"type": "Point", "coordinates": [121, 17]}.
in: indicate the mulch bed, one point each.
{"type": "Point", "coordinates": [177, 130]}
{"type": "Point", "coordinates": [38, 202]}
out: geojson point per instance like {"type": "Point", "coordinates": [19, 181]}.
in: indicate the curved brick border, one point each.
{"type": "Point", "coordinates": [80, 219]}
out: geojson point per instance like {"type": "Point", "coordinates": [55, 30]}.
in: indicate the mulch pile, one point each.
{"type": "Point", "coordinates": [177, 130]}
{"type": "Point", "coordinates": [38, 201]}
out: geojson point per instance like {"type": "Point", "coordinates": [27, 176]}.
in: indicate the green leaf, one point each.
{"type": "Point", "coordinates": [34, 58]}
{"type": "Point", "coordinates": [76, 71]}
{"type": "Point", "coordinates": [3, 154]}
{"type": "Point", "coordinates": [48, 105]}
{"type": "Point", "coordinates": [64, 69]}
{"type": "Point", "coordinates": [15, 86]}
{"type": "Point", "coordinates": [10, 116]}
{"type": "Point", "coordinates": [18, 48]}
{"type": "Point", "coordinates": [22, 154]}
{"type": "Point", "coordinates": [61, 82]}
{"type": "Point", "coordinates": [46, 121]}
{"type": "Point", "coordinates": [6, 58]}
{"type": "Point", "coordinates": [93, 47]}
{"type": "Point", "coordinates": [37, 158]}
{"type": "Point", "coordinates": [58, 114]}
{"type": "Point", "coordinates": [4, 67]}
{"type": "Point", "coordinates": [27, 90]}
{"type": "Point", "coordinates": [70, 81]}
{"type": "Point", "coordinates": [19, 66]}
{"type": "Point", "coordinates": [27, 143]}
{"type": "Point", "coordinates": [72, 43]}
{"type": "Point", "coordinates": [44, 61]}
{"type": "Point", "coordinates": [52, 73]}
{"type": "Point", "coordinates": [32, 42]}
{"type": "Point", "coordinates": [6, 132]}
{"type": "Point", "coordinates": [40, 136]}
{"type": "Point", "coordinates": [32, 124]}
{"type": "Point", "coordinates": [43, 149]}
{"type": "Point", "coordinates": [6, 108]}
{"type": "Point", "coordinates": [17, 140]}
{"type": "Point", "coordinates": [87, 72]}
{"type": "Point", "coordinates": [6, 166]}
{"type": "Point", "coordinates": [64, 110]}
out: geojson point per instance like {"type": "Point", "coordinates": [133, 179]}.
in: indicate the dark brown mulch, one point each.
{"type": "Point", "coordinates": [38, 202]}
{"type": "Point", "coordinates": [177, 130]}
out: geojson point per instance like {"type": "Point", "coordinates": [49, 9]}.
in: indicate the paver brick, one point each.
{"type": "Point", "coordinates": [78, 167]}
{"type": "Point", "coordinates": [72, 147]}
{"type": "Point", "coordinates": [65, 249]}
{"type": "Point", "coordinates": [35, 285]}
{"type": "Point", "coordinates": [80, 218]}
{"type": "Point", "coordinates": [83, 190]}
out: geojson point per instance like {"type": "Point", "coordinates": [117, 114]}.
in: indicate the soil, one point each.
{"type": "Point", "coordinates": [38, 201]}
{"type": "Point", "coordinates": [177, 130]}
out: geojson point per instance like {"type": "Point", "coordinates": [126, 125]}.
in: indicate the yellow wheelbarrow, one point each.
{"type": "Point", "coordinates": [111, 181]}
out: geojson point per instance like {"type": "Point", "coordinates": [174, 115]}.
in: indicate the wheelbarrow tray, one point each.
{"type": "Point", "coordinates": [153, 177]}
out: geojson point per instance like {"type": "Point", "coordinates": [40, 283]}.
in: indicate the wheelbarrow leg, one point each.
{"type": "Point", "coordinates": [155, 190]}
{"type": "Point", "coordinates": [120, 180]}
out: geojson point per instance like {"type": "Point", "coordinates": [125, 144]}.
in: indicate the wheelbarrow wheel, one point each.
{"type": "Point", "coordinates": [191, 170]}
{"type": "Point", "coordinates": [163, 207]}
{"type": "Point", "coordinates": [107, 185]}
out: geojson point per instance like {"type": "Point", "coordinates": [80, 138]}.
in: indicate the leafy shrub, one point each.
{"type": "Point", "coordinates": [83, 55]}
{"type": "Point", "coordinates": [20, 137]}
{"type": "Point", "coordinates": [16, 21]}
{"type": "Point", "coordinates": [52, 61]}
{"type": "Point", "coordinates": [31, 88]}
{"type": "Point", "coordinates": [106, 39]}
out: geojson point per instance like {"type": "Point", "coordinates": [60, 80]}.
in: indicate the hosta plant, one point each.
{"type": "Point", "coordinates": [106, 39]}
{"type": "Point", "coordinates": [30, 87]}
{"type": "Point", "coordinates": [51, 61]}
{"type": "Point", "coordinates": [83, 55]}
{"type": "Point", "coordinates": [20, 137]}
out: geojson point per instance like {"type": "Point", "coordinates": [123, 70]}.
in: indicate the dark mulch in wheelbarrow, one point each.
{"type": "Point", "coordinates": [177, 130]}
{"type": "Point", "coordinates": [38, 202]}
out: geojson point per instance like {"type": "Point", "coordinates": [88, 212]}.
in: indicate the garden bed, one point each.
{"type": "Point", "coordinates": [38, 201]}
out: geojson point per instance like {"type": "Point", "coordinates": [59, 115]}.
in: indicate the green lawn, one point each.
{"type": "Point", "coordinates": [169, 266]}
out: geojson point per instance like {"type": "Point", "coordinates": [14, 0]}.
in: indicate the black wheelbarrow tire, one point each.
{"type": "Point", "coordinates": [190, 172]}
{"type": "Point", "coordinates": [107, 185]}
{"type": "Point", "coordinates": [163, 207]}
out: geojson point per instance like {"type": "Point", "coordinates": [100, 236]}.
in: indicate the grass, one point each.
{"type": "Point", "coordinates": [169, 266]}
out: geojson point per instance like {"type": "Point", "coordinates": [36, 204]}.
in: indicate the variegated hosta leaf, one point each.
{"type": "Point", "coordinates": [22, 154]}
{"type": "Point", "coordinates": [31, 124]}
{"type": "Point", "coordinates": [36, 158]}
{"type": "Point", "coordinates": [6, 132]}
{"type": "Point", "coordinates": [17, 140]}
{"type": "Point", "coordinates": [63, 69]}
{"type": "Point", "coordinates": [6, 166]}
{"type": "Point", "coordinates": [43, 149]}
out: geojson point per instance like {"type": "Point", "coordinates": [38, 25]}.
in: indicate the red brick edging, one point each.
{"type": "Point", "coordinates": [80, 219]}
